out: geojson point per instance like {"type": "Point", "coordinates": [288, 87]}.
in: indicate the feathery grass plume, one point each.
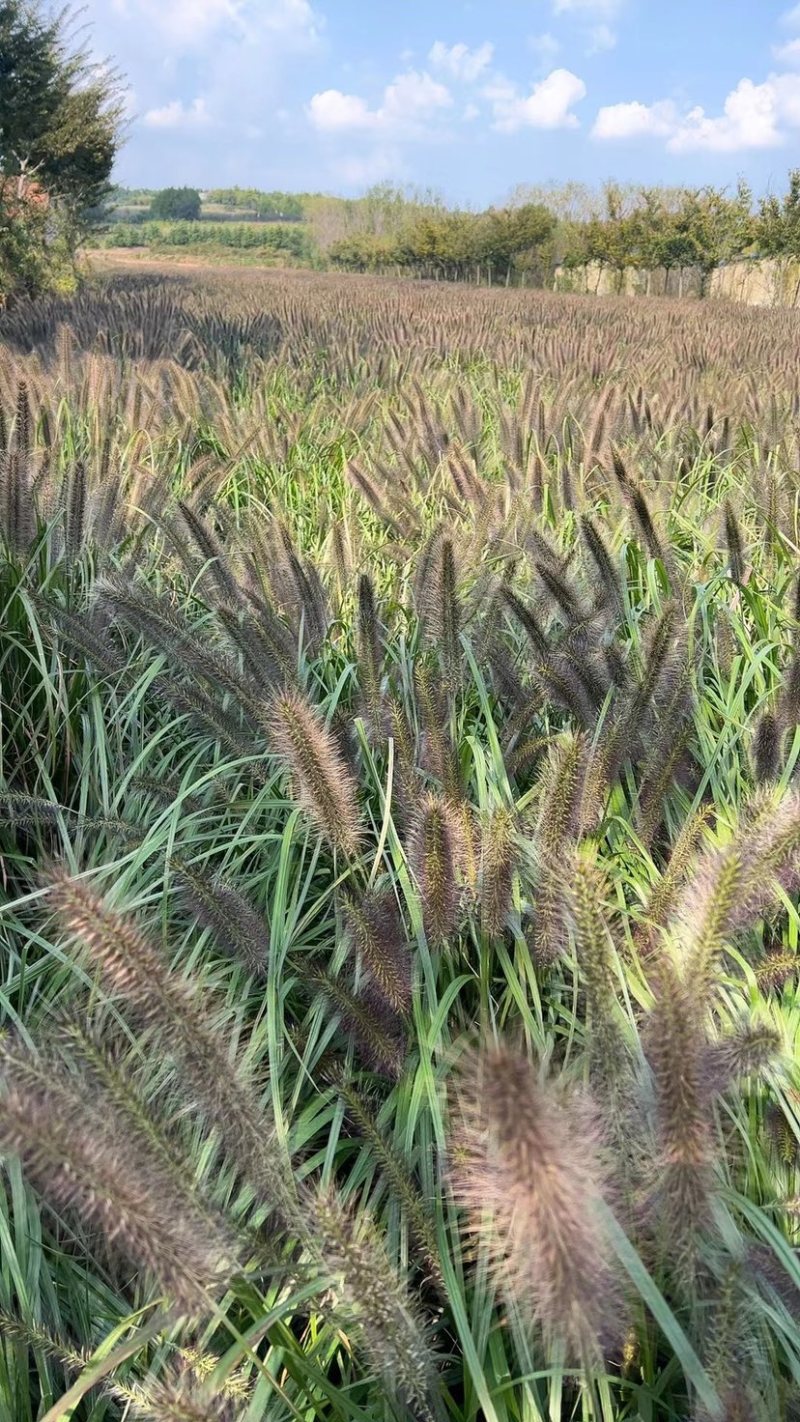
{"type": "Point", "coordinates": [238, 929]}
{"type": "Point", "coordinates": [775, 969]}
{"type": "Point", "coordinates": [435, 853]}
{"type": "Point", "coordinates": [733, 539]}
{"type": "Point", "coordinates": [267, 645]}
{"type": "Point", "coordinates": [746, 1051]}
{"type": "Point", "coordinates": [552, 833]}
{"type": "Point", "coordinates": [108, 1177]}
{"type": "Point", "coordinates": [606, 1048]}
{"type": "Point", "coordinates": [181, 1396]}
{"type": "Point", "coordinates": [499, 854]}
{"type": "Point", "coordinates": [398, 1177]}
{"type": "Point", "coordinates": [75, 501]}
{"type": "Point", "coordinates": [766, 750]}
{"type": "Point", "coordinates": [212, 552]}
{"type": "Point", "coordinates": [154, 619]}
{"type": "Point", "coordinates": [664, 894]}
{"type": "Point", "coordinates": [373, 1297]}
{"type": "Point", "coordinates": [529, 624]}
{"type": "Point", "coordinates": [40, 1340]}
{"type": "Point", "coordinates": [676, 1047]}
{"type": "Point", "coordinates": [370, 655]}
{"type": "Point", "coordinates": [379, 937]}
{"type": "Point", "coordinates": [23, 421]}
{"type": "Point", "coordinates": [214, 720]}
{"type": "Point", "coordinates": [527, 1166]}
{"type": "Point", "coordinates": [82, 634]}
{"type": "Point", "coordinates": [438, 753]}
{"type": "Point", "coordinates": [441, 613]}
{"type": "Point", "coordinates": [560, 591]}
{"type": "Point", "coordinates": [733, 885]}
{"type": "Point", "coordinates": [377, 1031]}
{"type": "Point", "coordinates": [610, 590]}
{"type": "Point", "coordinates": [17, 508]}
{"type": "Point", "coordinates": [405, 752]}
{"type": "Point", "coordinates": [321, 781]}
{"type": "Point", "coordinates": [174, 1009]}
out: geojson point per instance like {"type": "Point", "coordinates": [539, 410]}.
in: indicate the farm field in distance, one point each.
{"type": "Point", "coordinates": [399, 853]}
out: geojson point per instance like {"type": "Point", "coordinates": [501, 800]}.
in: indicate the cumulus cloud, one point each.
{"type": "Point", "coordinates": [461, 62]}
{"type": "Point", "coordinates": [635, 120]}
{"type": "Point", "coordinates": [753, 116]}
{"type": "Point", "coordinates": [547, 106]}
{"type": "Point", "coordinates": [408, 102]}
{"type": "Point", "coordinates": [600, 39]}
{"type": "Point", "coordinates": [177, 115]}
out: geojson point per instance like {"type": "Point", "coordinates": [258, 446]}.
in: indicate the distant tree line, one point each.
{"type": "Point", "coordinates": [540, 228]}
{"type": "Point", "coordinates": [290, 239]}
{"type": "Point", "coordinates": [266, 207]}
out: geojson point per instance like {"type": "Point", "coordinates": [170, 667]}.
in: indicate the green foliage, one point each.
{"type": "Point", "coordinates": [60, 116]}
{"type": "Point", "coordinates": [400, 854]}
{"type": "Point", "coordinates": [175, 205]}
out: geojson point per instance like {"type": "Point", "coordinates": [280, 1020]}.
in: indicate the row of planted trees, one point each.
{"type": "Point", "coordinates": [539, 229]}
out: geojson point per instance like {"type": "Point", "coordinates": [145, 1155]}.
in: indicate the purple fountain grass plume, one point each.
{"type": "Point", "coordinates": [766, 749]}
{"type": "Point", "coordinates": [379, 1034]}
{"type": "Point", "coordinates": [676, 1046]}
{"type": "Point", "coordinates": [528, 1167]}
{"type": "Point", "coordinates": [370, 656]}
{"type": "Point", "coordinates": [399, 1178]}
{"type": "Point", "coordinates": [436, 855]}
{"type": "Point", "coordinates": [321, 781]}
{"type": "Point", "coordinates": [734, 885]}
{"type": "Point", "coordinates": [176, 1011]}
{"type": "Point", "coordinates": [607, 1053]}
{"type": "Point", "coordinates": [78, 1151]}
{"type": "Point", "coordinates": [553, 831]}
{"type": "Point", "coordinates": [371, 1296]}
{"type": "Point", "coordinates": [735, 547]}
{"type": "Point", "coordinates": [499, 856]}
{"type": "Point", "coordinates": [218, 905]}
{"type": "Point", "coordinates": [378, 934]}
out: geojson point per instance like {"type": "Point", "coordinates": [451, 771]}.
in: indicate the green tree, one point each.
{"type": "Point", "coordinates": [176, 205]}
{"type": "Point", "coordinates": [60, 128]}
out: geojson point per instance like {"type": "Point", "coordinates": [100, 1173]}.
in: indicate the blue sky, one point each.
{"type": "Point", "coordinates": [465, 96]}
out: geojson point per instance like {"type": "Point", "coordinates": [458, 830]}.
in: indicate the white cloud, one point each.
{"type": "Point", "coordinates": [461, 62]}
{"type": "Point", "coordinates": [600, 39]}
{"type": "Point", "coordinates": [191, 24]}
{"type": "Point", "coordinates": [411, 100]}
{"type": "Point", "coordinates": [545, 48]}
{"type": "Point", "coordinates": [606, 9]}
{"type": "Point", "coordinates": [548, 105]}
{"type": "Point", "coordinates": [635, 120]}
{"type": "Point", "coordinates": [334, 112]}
{"type": "Point", "coordinates": [177, 115]}
{"type": "Point", "coordinates": [753, 116]}
{"type": "Point", "coordinates": [791, 17]}
{"type": "Point", "coordinates": [788, 54]}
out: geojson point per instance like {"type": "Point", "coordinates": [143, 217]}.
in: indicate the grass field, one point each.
{"type": "Point", "coordinates": [399, 855]}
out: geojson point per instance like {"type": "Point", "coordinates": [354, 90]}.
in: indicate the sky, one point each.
{"type": "Point", "coordinates": [467, 97]}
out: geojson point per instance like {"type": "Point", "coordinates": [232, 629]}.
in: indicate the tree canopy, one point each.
{"type": "Point", "coordinates": [176, 205]}
{"type": "Point", "coordinates": [60, 127]}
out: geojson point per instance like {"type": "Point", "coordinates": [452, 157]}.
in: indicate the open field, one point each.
{"type": "Point", "coordinates": [399, 854]}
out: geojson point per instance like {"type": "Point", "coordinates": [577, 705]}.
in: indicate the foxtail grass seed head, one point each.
{"type": "Point", "coordinates": [321, 781]}
{"type": "Point", "coordinates": [528, 1168]}
{"type": "Point", "coordinates": [436, 856]}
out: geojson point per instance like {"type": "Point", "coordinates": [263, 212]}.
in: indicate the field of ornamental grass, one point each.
{"type": "Point", "coordinates": [399, 855]}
